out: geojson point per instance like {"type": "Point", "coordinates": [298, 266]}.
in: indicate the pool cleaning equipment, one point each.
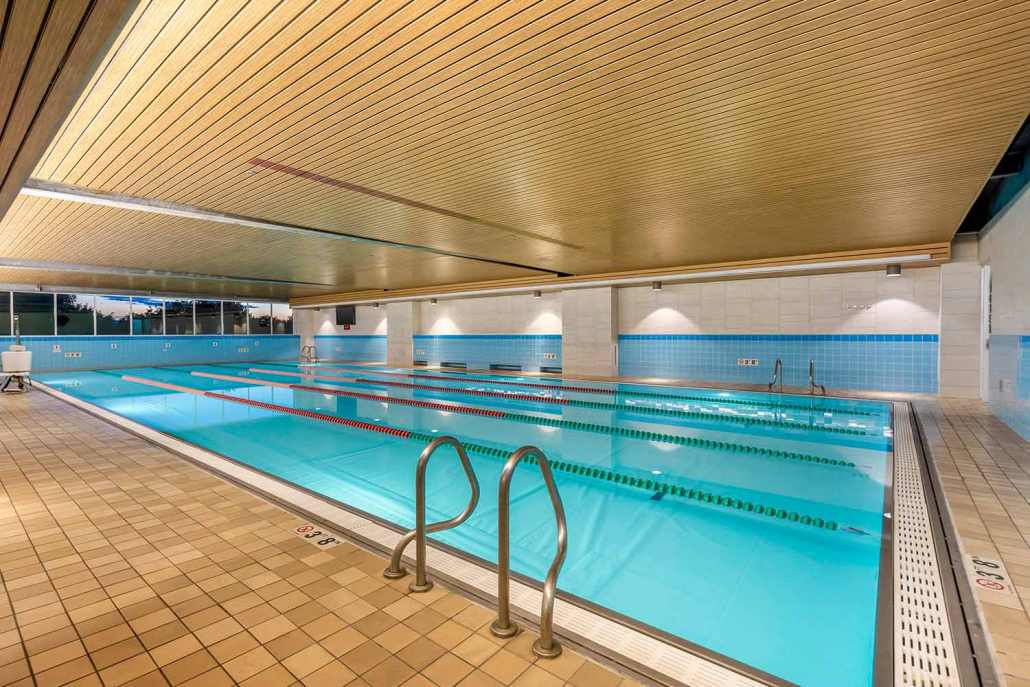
{"type": "Point", "coordinates": [17, 364]}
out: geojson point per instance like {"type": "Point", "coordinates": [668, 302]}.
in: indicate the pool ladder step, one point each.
{"type": "Point", "coordinates": [544, 647]}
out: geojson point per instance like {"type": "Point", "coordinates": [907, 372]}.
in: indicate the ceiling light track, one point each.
{"type": "Point", "coordinates": [42, 188]}
{"type": "Point", "coordinates": [51, 266]}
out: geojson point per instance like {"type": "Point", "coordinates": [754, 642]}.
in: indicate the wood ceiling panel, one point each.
{"type": "Point", "coordinates": [577, 136]}
{"type": "Point", "coordinates": [47, 51]}
{"type": "Point", "coordinates": [68, 232]}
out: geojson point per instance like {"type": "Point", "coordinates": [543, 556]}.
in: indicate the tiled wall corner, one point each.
{"type": "Point", "coordinates": [960, 324]}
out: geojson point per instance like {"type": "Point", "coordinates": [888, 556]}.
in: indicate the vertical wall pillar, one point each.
{"type": "Point", "coordinates": [404, 321]}
{"type": "Point", "coordinates": [590, 332]}
{"type": "Point", "coordinates": [960, 322]}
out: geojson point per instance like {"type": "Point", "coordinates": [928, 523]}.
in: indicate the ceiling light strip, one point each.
{"type": "Point", "coordinates": [630, 281]}
{"type": "Point", "coordinates": [42, 188]}
{"type": "Point", "coordinates": [51, 266]}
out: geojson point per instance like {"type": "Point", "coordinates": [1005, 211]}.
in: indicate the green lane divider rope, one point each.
{"type": "Point", "coordinates": [676, 439]}
{"type": "Point", "coordinates": [654, 486]}
{"type": "Point", "coordinates": [740, 401]}
{"type": "Point", "coordinates": [669, 397]}
{"type": "Point", "coordinates": [713, 417]}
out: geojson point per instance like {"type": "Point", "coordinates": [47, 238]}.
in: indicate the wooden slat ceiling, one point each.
{"type": "Point", "coordinates": [576, 137]}
{"type": "Point", "coordinates": [47, 48]}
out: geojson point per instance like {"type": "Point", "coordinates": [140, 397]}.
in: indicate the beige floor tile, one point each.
{"type": "Point", "coordinates": [447, 671]}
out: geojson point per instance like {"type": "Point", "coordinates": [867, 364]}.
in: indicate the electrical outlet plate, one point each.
{"type": "Point", "coordinates": [57, 348]}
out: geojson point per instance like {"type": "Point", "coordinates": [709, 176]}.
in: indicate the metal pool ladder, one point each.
{"type": "Point", "coordinates": [309, 354]}
{"type": "Point", "coordinates": [546, 646]}
{"type": "Point", "coordinates": [777, 376]}
{"type": "Point", "coordinates": [812, 386]}
{"type": "Point", "coordinates": [396, 570]}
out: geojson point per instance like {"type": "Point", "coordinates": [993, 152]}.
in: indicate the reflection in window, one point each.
{"type": "Point", "coordinates": [209, 317]}
{"type": "Point", "coordinates": [113, 315]}
{"type": "Point", "coordinates": [234, 318]}
{"type": "Point", "coordinates": [282, 318]}
{"type": "Point", "coordinates": [148, 316]}
{"type": "Point", "coordinates": [259, 316]}
{"type": "Point", "coordinates": [5, 313]}
{"type": "Point", "coordinates": [74, 314]}
{"type": "Point", "coordinates": [35, 312]}
{"type": "Point", "coordinates": [178, 317]}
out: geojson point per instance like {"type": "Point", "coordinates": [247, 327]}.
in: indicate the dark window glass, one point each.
{"type": "Point", "coordinates": [5, 313]}
{"type": "Point", "coordinates": [234, 318]}
{"type": "Point", "coordinates": [259, 316]}
{"type": "Point", "coordinates": [113, 315]}
{"type": "Point", "coordinates": [35, 312]}
{"type": "Point", "coordinates": [209, 317]}
{"type": "Point", "coordinates": [282, 318]}
{"type": "Point", "coordinates": [178, 317]}
{"type": "Point", "coordinates": [148, 316]}
{"type": "Point", "coordinates": [74, 314]}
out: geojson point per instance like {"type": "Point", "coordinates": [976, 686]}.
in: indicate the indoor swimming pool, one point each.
{"type": "Point", "coordinates": [747, 525]}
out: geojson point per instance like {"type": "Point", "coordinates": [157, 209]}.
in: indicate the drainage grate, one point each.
{"type": "Point", "coordinates": [924, 652]}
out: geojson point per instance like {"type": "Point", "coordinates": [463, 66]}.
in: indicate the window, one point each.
{"type": "Point", "coordinates": [35, 313]}
{"type": "Point", "coordinates": [234, 318]}
{"type": "Point", "coordinates": [178, 317]}
{"type": "Point", "coordinates": [209, 317]}
{"type": "Point", "coordinates": [282, 318]}
{"type": "Point", "coordinates": [113, 315]}
{"type": "Point", "coordinates": [5, 313]}
{"type": "Point", "coordinates": [74, 314]}
{"type": "Point", "coordinates": [148, 316]}
{"type": "Point", "coordinates": [259, 317]}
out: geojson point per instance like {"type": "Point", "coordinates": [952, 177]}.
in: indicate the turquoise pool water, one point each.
{"type": "Point", "coordinates": [787, 596]}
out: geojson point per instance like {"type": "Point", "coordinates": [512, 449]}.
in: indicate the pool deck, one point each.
{"type": "Point", "coordinates": [123, 564]}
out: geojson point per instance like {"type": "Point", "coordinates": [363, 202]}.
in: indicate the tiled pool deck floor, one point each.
{"type": "Point", "coordinates": [122, 564]}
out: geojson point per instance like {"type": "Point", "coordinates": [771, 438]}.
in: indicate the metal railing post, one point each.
{"type": "Point", "coordinates": [546, 646]}
{"type": "Point", "coordinates": [396, 571]}
{"type": "Point", "coordinates": [777, 376]}
{"type": "Point", "coordinates": [812, 386]}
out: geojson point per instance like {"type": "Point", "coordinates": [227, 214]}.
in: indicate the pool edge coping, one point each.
{"type": "Point", "coordinates": [524, 595]}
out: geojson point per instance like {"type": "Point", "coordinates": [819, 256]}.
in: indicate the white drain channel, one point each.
{"type": "Point", "coordinates": [924, 652]}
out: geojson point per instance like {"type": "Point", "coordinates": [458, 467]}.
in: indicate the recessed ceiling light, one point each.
{"type": "Point", "coordinates": [251, 172]}
{"type": "Point", "coordinates": [656, 286]}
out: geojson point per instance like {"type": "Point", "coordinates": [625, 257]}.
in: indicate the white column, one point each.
{"type": "Point", "coordinates": [590, 332]}
{"type": "Point", "coordinates": [403, 321]}
{"type": "Point", "coordinates": [960, 322]}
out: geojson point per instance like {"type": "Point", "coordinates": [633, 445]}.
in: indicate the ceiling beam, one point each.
{"type": "Point", "coordinates": [43, 188]}
{"type": "Point", "coordinates": [925, 255]}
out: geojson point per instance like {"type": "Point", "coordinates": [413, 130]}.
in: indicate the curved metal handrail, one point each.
{"type": "Point", "coordinates": [777, 376]}
{"type": "Point", "coordinates": [396, 570]}
{"type": "Point", "coordinates": [812, 386]}
{"type": "Point", "coordinates": [546, 646]}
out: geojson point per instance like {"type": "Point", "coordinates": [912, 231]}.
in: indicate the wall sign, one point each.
{"type": "Point", "coordinates": [749, 362]}
{"type": "Point", "coordinates": [988, 573]}
{"type": "Point", "coordinates": [318, 537]}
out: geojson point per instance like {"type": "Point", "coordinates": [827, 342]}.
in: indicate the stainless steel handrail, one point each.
{"type": "Point", "coordinates": [777, 375]}
{"type": "Point", "coordinates": [546, 646]}
{"type": "Point", "coordinates": [396, 570]}
{"type": "Point", "coordinates": [812, 386]}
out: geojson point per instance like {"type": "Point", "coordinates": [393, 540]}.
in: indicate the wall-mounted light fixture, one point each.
{"type": "Point", "coordinates": [893, 270]}
{"type": "Point", "coordinates": [375, 305]}
{"type": "Point", "coordinates": [538, 294]}
{"type": "Point", "coordinates": [432, 301]}
{"type": "Point", "coordinates": [656, 286]}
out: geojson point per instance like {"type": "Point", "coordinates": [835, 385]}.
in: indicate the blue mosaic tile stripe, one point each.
{"type": "Point", "coordinates": [1010, 362]}
{"type": "Point", "coordinates": [136, 351]}
{"type": "Point", "coordinates": [881, 362]}
{"type": "Point", "coordinates": [369, 348]}
{"type": "Point", "coordinates": [480, 351]}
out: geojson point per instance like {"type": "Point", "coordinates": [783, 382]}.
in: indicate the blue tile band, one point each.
{"type": "Point", "coordinates": [135, 351]}
{"type": "Point", "coordinates": [480, 351]}
{"type": "Point", "coordinates": [368, 348]}
{"type": "Point", "coordinates": [881, 362]}
{"type": "Point", "coordinates": [1009, 370]}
